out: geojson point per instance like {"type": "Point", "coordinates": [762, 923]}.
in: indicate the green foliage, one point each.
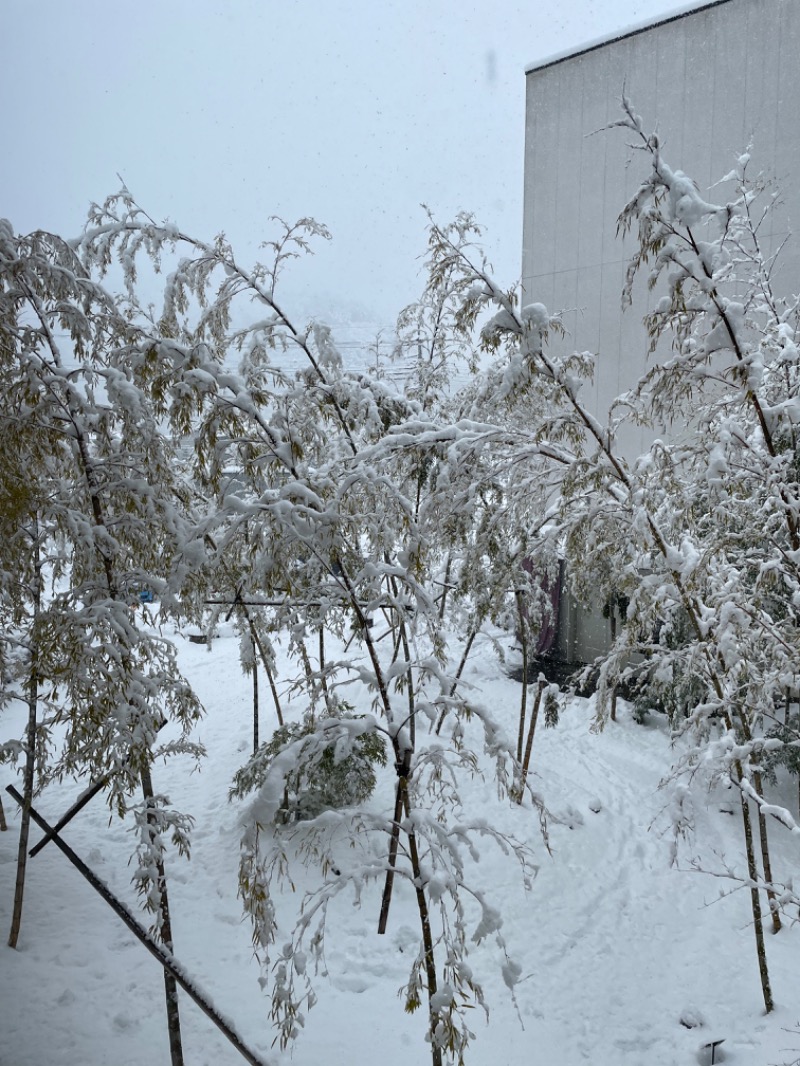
{"type": "Point", "coordinates": [642, 706]}
{"type": "Point", "coordinates": [551, 708]}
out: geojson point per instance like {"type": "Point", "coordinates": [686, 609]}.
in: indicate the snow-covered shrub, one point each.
{"type": "Point", "coordinates": [324, 776]}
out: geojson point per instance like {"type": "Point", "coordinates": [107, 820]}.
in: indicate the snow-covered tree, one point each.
{"type": "Point", "coordinates": [98, 513]}
{"type": "Point", "coordinates": [321, 515]}
{"type": "Point", "coordinates": [699, 536]}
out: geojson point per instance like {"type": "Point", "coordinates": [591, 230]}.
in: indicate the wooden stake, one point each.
{"type": "Point", "coordinates": [84, 798]}
{"type": "Point", "coordinates": [541, 686]}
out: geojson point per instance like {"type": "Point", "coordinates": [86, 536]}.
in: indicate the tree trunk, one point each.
{"type": "Point", "coordinates": [30, 745]}
{"type": "Point", "coordinates": [613, 621]}
{"type": "Point", "coordinates": [523, 709]}
{"type": "Point", "coordinates": [322, 678]}
{"type": "Point", "coordinates": [412, 711]}
{"type": "Point", "coordinates": [394, 842]}
{"type": "Point", "coordinates": [267, 671]}
{"type": "Point", "coordinates": [457, 678]}
{"type": "Point", "coordinates": [755, 903]}
{"type": "Point", "coordinates": [401, 791]}
{"type": "Point", "coordinates": [427, 936]}
{"type": "Point", "coordinates": [542, 685]}
{"type": "Point", "coordinates": [165, 936]}
{"type": "Point", "coordinates": [443, 600]}
{"type": "Point", "coordinates": [25, 822]}
{"type": "Point", "coordinates": [313, 689]}
{"type": "Point", "coordinates": [255, 699]}
{"type": "Point", "coordinates": [774, 906]}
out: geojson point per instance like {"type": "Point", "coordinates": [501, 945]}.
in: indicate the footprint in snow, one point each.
{"type": "Point", "coordinates": [571, 817]}
{"type": "Point", "coordinates": [350, 983]}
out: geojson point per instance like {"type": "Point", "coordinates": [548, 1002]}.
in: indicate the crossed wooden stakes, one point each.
{"type": "Point", "coordinates": [164, 957]}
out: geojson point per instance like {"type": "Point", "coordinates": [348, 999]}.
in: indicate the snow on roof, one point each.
{"type": "Point", "coordinates": [691, 7]}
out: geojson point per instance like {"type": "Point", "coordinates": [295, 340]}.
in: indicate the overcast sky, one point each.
{"type": "Point", "coordinates": [220, 114]}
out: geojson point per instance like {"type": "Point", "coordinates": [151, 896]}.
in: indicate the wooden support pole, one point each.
{"type": "Point", "coordinates": [238, 601]}
{"type": "Point", "coordinates": [84, 798]}
{"type": "Point", "coordinates": [163, 956]}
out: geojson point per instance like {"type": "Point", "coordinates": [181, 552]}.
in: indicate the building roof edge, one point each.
{"type": "Point", "coordinates": [693, 7]}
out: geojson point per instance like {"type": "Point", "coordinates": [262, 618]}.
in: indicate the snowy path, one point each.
{"type": "Point", "coordinates": [615, 943]}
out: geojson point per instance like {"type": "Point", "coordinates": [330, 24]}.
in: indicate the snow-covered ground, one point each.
{"type": "Point", "coordinates": [616, 944]}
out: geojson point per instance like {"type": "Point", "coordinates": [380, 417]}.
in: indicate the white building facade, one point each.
{"type": "Point", "coordinates": [714, 80]}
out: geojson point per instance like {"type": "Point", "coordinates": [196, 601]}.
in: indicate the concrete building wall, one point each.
{"type": "Point", "coordinates": [583, 633]}
{"type": "Point", "coordinates": [711, 82]}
